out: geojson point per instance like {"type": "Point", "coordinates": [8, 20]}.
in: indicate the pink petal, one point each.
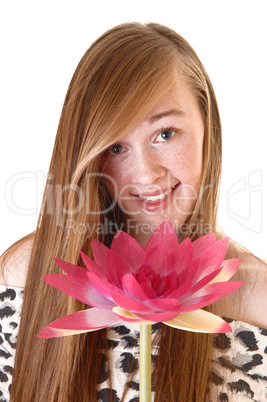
{"type": "Point", "coordinates": [159, 259]}
{"type": "Point", "coordinates": [200, 321]}
{"type": "Point", "coordinates": [81, 290]}
{"type": "Point", "coordinates": [210, 294]}
{"type": "Point", "coordinates": [150, 294]}
{"type": "Point", "coordinates": [166, 305]}
{"type": "Point", "coordinates": [229, 267]}
{"type": "Point", "coordinates": [201, 283]}
{"type": "Point", "coordinates": [164, 233]}
{"type": "Point", "coordinates": [93, 267]}
{"type": "Point", "coordinates": [221, 288]}
{"type": "Point", "coordinates": [181, 257]}
{"type": "Point", "coordinates": [211, 258]}
{"type": "Point", "coordinates": [71, 269]}
{"type": "Point", "coordinates": [179, 292]}
{"type": "Point", "coordinates": [198, 302]}
{"type": "Point", "coordinates": [173, 284]}
{"type": "Point", "coordinates": [128, 248]}
{"type": "Point", "coordinates": [79, 322]}
{"type": "Point", "coordinates": [129, 304]}
{"type": "Point", "coordinates": [202, 244]}
{"type": "Point", "coordinates": [117, 267]}
{"type": "Point", "coordinates": [100, 254]}
{"type": "Point", "coordinates": [132, 288]}
{"type": "Point", "coordinates": [104, 287]}
{"type": "Point", "coordinates": [127, 316]}
{"type": "Point", "coordinates": [188, 274]}
{"type": "Point", "coordinates": [158, 317]}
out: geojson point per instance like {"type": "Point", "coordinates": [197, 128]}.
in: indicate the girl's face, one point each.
{"type": "Point", "coordinates": [155, 170]}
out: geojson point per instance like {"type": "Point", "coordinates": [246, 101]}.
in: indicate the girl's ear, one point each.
{"type": "Point", "coordinates": [14, 263]}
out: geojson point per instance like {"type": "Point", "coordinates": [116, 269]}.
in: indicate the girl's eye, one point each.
{"type": "Point", "coordinates": [116, 149]}
{"type": "Point", "coordinates": [166, 134]}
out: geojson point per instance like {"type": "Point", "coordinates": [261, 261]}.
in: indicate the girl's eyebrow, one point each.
{"type": "Point", "coordinates": [172, 112]}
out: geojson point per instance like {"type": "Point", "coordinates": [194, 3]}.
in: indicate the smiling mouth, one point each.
{"type": "Point", "coordinates": [159, 197]}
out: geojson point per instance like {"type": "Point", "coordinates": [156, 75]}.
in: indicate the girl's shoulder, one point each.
{"type": "Point", "coordinates": [247, 304]}
{"type": "Point", "coordinates": [14, 263]}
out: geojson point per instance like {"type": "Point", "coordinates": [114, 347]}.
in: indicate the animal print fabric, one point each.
{"type": "Point", "coordinates": [238, 368]}
{"type": "Point", "coordinates": [239, 364]}
{"type": "Point", "coordinates": [10, 310]}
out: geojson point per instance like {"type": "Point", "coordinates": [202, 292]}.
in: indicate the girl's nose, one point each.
{"type": "Point", "coordinates": [148, 169]}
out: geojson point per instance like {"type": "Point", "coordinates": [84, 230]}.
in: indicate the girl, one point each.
{"type": "Point", "coordinates": [138, 142]}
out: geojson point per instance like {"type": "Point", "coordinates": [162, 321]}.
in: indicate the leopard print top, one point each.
{"type": "Point", "coordinates": [238, 367]}
{"type": "Point", "coordinates": [10, 309]}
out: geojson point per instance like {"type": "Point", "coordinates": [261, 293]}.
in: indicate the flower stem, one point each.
{"type": "Point", "coordinates": [145, 364]}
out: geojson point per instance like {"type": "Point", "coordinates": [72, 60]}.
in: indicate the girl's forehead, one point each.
{"type": "Point", "coordinates": [178, 101]}
{"type": "Point", "coordinates": [138, 107]}
{"type": "Point", "coordinates": [179, 108]}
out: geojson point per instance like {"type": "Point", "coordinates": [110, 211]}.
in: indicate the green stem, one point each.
{"type": "Point", "coordinates": [145, 364]}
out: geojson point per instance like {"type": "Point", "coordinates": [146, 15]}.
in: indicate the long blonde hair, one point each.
{"type": "Point", "coordinates": [117, 82]}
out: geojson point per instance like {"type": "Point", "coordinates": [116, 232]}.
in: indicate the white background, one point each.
{"type": "Point", "coordinates": [41, 44]}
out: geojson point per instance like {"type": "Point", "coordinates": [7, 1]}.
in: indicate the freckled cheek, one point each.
{"type": "Point", "coordinates": [186, 165]}
{"type": "Point", "coordinates": [116, 180]}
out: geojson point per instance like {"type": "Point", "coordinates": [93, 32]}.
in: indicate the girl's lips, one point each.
{"type": "Point", "coordinates": [156, 197]}
{"type": "Point", "coordinates": [154, 193]}
{"type": "Point", "coordinates": [156, 205]}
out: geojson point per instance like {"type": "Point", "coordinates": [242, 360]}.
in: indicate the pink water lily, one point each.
{"type": "Point", "coordinates": [163, 282]}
